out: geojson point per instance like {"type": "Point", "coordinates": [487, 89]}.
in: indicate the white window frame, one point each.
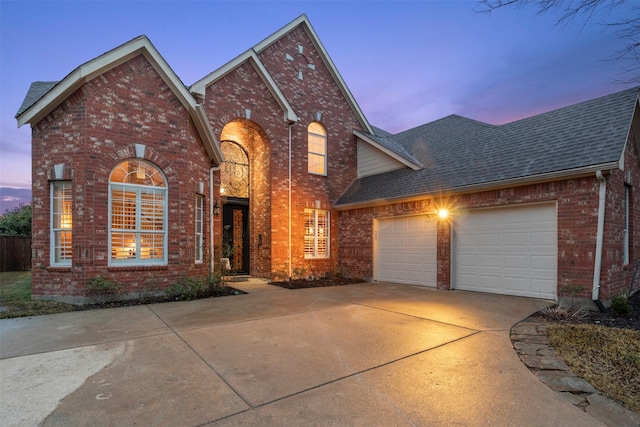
{"type": "Point", "coordinates": [135, 258]}
{"type": "Point", "coordinates": [61, 229]}
{"type": "Point", "coordinates": [199, 229]}
{"type": "Point", "coordinates": [313, 139]}
{"type": "Point", "coordinates": [627, 220]}
{"type": "Point", "coordinates": [317, 237]}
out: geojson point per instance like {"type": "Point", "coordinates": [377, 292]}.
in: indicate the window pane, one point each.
{"type": "Point", "coordinates": [123, 246]}
{"type": "Point", "coordinates": [151, 246]}
{"type": "Point", "coordinates": [152, 210]}
{"type": "Point", "coordinates": [62, 249]}
{"type": "Point", "coordinates": [123, 209]}
{"type": "Point", "coordinates": [316, 164]}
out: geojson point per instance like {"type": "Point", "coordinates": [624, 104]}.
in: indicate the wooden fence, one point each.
{"type": "Point", "coordinates": [15, 253]}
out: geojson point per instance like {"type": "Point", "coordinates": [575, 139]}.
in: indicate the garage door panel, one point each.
{"type": "Point", "coordinates": [406, 250]}
{"type": "Point", "coordinates": [509, 250]}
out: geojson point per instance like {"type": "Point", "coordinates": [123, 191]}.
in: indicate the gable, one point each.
{"type": "Point", "coordinates": [258, 55]}
{"type": "Point", "coordinates": [32, 110]}
{"type": "Point", "coordinates": [199, 88]}
{"type": "Point", "coordinates": [372, 161]}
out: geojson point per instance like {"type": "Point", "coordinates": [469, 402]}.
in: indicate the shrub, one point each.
{"type": "Point", "coordinates": [102, 290]}
{"type": "Point", "coordinates": [620, 304]}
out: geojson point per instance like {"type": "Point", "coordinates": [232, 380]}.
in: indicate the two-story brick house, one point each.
{"type": "Point", "coordinates": [270, 163]}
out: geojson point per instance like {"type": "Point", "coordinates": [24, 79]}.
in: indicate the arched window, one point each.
{"type": "Point", "coordinates": [234, 175]}
{"type": "Point", "coordinates": [137, 214]}
{"type": "Point", "coordinates": [317, 158]}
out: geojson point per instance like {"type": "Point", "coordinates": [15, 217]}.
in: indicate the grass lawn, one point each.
{"type": "Point", "coordinates": [15, 297]}
{"type": "Point", "coordinates": [609, 358]}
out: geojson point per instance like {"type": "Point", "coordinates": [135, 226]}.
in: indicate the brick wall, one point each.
{"type": "Point", "coordinates": [90, 133]}
{"type": "Point", "coordinates": [577, 207]}
{"type": "Point", "coordinates": [265, 137]}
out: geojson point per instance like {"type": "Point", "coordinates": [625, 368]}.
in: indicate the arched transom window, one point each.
{"type": "Point", "coordinates": [137, 214]}
{"type": "Point", "coordinates": [234, 174]}
{"type": "Point", "coordinates": [317, 156]}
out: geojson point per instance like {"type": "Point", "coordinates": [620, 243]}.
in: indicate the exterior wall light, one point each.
{"type": "Point", "coordinates": [443, 213]}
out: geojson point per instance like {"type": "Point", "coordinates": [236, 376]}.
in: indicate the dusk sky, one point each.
{"type": "Point", "coordinates": [406, 62]}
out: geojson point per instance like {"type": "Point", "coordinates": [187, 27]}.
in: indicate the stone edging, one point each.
{"type": "Point", "coordinates": [530, 340]}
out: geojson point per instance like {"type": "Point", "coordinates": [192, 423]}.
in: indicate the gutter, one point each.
{"type": "Point", "coordinates": [597, 265]}
{"type": "Point", "coordinates": [473, 188]}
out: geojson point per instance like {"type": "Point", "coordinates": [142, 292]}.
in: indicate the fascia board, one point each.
{"type": "Point", "coordinates": [485, 186]}
{"type": "Point", "coordinates": [209, 140]}
{"type": "Point", "coordinates": [200, 87]}
{"type": "Point", "coordinates": [324, 55]}
{"type": "Point", "coordinates": [388, 152]}
{"type": "Point", "coordinates": [634, 127]}
{"type": "Point", "coordinates": [98, 66]}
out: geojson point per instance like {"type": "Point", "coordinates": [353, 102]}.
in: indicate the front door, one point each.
{"type": "Point", "coordinates": [235, 236]}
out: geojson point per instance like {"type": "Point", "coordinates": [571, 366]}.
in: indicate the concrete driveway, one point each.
{"type": "Point", "coordinates": [360, 355]}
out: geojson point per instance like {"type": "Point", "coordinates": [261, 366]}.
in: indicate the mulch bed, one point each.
{"type": "Point", "coordinates": [317, 283]}
{"type": "Point", "coordinates": [609, 318]}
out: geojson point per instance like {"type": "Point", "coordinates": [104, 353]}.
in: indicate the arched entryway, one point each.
{"type": "Point", "coordinates": [234, 191]}
{"type": "Point", "coordinates": [245, 195]}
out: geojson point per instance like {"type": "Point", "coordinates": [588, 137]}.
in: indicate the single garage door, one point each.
{"type": "Point", "coordinates": [510, 250]}
{"type": "Point", "coordinates": [406, 250]}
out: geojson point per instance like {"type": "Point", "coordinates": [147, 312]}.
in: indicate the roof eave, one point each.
{"type": "Point", "coordinates": [326, 59]}
{"type": "Point", "coordinates": [199, 88]}
{"type": "Point", "coordinates": [393, 154]}
{"type": "Point", "coordinates": [205, 131]}
{"type": "Point", "coordinates": [485, 186]}
{"type": "Point", "coordinates": [99, 65]}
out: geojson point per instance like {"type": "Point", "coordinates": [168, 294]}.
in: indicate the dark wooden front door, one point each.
{"type": "Point", "coordinates": [235, 236]}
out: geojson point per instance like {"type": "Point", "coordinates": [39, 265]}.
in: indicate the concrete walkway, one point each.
{"type": "Point", "coordinates": [358, 355]}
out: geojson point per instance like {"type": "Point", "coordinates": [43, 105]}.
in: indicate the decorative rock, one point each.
{"type": "Point", "coordinates": [611, 414]}
{"type": "Point", "coordinates": [544, 362]}
{"type": "Point", "coordinates": [562, 381]}
{"type": "Point", "coordinates": [575, 399]}
{"type": "Point", "coordinates": [526, 348]}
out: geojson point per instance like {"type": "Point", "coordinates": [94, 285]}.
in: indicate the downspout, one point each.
{"type": "Point", "coordinates": [212, 169]}
{"type": "Point", "coordinates": [595, 293]}
{"type": "Point", "coordinates": [289, 204]}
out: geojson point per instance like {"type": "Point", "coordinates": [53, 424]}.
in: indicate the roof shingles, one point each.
{"type": "Point", "coordinates": [457, 152]}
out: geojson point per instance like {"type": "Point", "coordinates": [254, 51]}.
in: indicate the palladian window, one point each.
{"type": "Point", "coordinates": [137, 214]}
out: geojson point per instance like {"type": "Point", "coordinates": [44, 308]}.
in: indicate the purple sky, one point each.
{"type": "Point", "coordinates": [406, 62]}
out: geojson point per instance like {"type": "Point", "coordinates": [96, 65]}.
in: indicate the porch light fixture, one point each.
{"type": "Point", "coordinates": [216, 208]}
{"type": "Point", "coordinates": [443, 213]}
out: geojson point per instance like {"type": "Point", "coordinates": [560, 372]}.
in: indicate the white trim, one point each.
{"type": "Point", "coordinates": [316, 239]}
{"type": "Point", "coordinates": [53, 230]}
{"type": "Point", "coordinates": [493, 185]}
{"type": "Point", "coordinates": [199, 231]}
{"type": "Point", "coordinates": [326, 59]}
{"type": "Point", "coordinates": [137, 231]}
{"type": "Point", "coordinates": [394, 155]}
{"type": "Point", "coordinates": [199, 88]}
{"type": "Point", "coordinates": [141, 45]}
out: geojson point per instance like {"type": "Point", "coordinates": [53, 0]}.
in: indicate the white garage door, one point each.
{"type": "Point", "coordinates": [507, 251]}
{"type": "Point", "coordinates": [406, 250]}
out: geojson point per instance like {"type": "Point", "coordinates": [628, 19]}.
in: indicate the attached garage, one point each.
{"type": "Point", "coordinates": [405, 250]}
{"type": "Point", "coordinates": [510, 250]}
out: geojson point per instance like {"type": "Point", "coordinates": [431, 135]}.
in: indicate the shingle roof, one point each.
{"type": "Point", "coordinates": [36, 91]}
{"type": "Point", "coordinates": [459, 153]}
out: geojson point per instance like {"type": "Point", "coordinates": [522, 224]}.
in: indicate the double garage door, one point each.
{"type": "Point", "coordinates": [510, 251]}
